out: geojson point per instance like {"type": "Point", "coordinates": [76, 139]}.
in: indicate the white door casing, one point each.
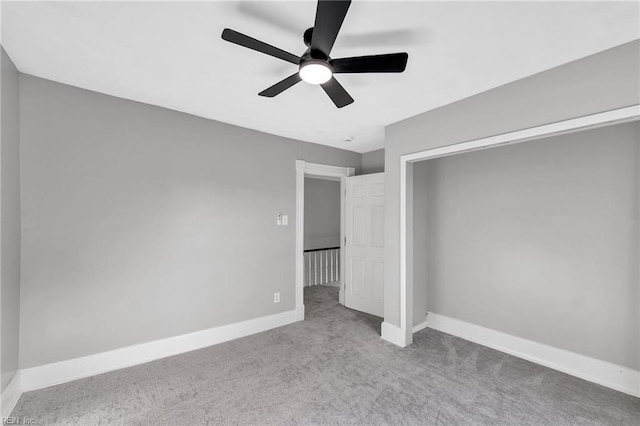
{"type": "Point", "coordinates": [364, 248]}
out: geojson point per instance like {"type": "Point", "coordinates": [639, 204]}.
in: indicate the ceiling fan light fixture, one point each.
{"type": "Point", "coordinates": [315, 72]}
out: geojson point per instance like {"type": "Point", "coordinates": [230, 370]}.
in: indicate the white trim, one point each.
{"type": "Point", "coordinates": [343, 232]}
{"type": "Point", "coordinates": [392, 334]}
{"type": "Point", "coordinates": [300, 313]}
{"type": "Point", "coordinates": [607, 118]}
{"type": "Point", "coordinates": [613, 376]}
{"type": "Point", "coordinates": [419, 327]}
{"type": "Point", "coordinates": [324, 170]}
{"type": "Point", "coordinates": [10, 396]}
{"type": "Point", "coordinates": [65, 371]}
{"type": "Point", "coordinates": [403, 249]}
{"type": "Point", "coordinates": [299, 291]}
{"type": "Point", "coordinates": [320, 171]}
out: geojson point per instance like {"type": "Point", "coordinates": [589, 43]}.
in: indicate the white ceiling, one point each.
{"type": "Point", "coordinates": [170, 54]}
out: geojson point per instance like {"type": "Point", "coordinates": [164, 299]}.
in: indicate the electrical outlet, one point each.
{"type": "Point", "coordinates": [276, 297]}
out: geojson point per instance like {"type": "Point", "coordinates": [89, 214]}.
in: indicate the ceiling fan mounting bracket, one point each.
{"type": "Point", "coordinates": [308, 35]}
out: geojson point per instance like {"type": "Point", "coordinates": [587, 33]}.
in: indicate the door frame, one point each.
{"type": "Point", "coordinates": [318, 171]}
{"type": "Point", "coordinates": [403, 336]}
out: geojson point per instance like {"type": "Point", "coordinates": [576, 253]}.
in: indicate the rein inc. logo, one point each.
{"type": "Point", "coordinates": [18, 421]}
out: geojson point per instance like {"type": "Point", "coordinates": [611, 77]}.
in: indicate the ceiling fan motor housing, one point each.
{"type": "Point", "coordinates": [314, 56]}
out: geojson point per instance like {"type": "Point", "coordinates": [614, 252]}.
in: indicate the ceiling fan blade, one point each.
{"type": "Point", "coordinates": [281, 86]}
{"type": "Point", "coordinates": [251, 43]}
{"type": "Point", "coordinates": [393, 62]}
{"type": "Point", "coordinates": [336, 92]}
{"type": "Point", "coordinates": [329, 17]}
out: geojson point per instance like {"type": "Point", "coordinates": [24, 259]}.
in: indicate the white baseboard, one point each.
{"type": "Point", "coordinates": [10, 396]}
{"type": "Point", "coordinates": [393, 334]}
{"type": "Point", "coordinates": [613, 376]}
{"type": "Point", "coordinates": [300, 313]}
{"type": "Point", "coordinates": [420, 326]}
{"type": "Point", "coordinates": [66, 371]}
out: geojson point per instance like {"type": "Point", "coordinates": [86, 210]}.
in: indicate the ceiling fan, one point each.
{"type": "Point", "coordinates": [315, 66]}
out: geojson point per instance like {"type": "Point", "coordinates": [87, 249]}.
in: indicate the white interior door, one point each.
{"type": "Point", "coordinates": [364, 248]}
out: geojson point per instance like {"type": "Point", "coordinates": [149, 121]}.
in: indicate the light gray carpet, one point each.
{"type": "Point", "coordinates": [333, 368]}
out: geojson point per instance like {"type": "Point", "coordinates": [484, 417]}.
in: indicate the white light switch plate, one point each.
{"type": "Point", "coordinates": [276, 297]}
{"type": "Point", "coordinates": [285, 220]}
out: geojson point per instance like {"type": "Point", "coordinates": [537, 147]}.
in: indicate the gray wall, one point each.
{"type": "Point", "coordinates": [601, 82]}
{"type": "Point", "coordinates": [538, 240]}
{"type": "Point", "coordinates": [321, 213]}
{"type": "Point", "coordinates": [141, 223]}
{"type": "Point", "coordinates": [10, 217]}
{"type": "Point", "coordinates": [372, 162]}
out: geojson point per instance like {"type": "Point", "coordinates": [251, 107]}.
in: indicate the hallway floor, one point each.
{"type": "Point", "coordinates": [333, 368]}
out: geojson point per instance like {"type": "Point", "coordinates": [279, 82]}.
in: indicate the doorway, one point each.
{"type": "Point", "coordinates": [338, 174]}
{"type": "Point", "coordinates": [322, 232]}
